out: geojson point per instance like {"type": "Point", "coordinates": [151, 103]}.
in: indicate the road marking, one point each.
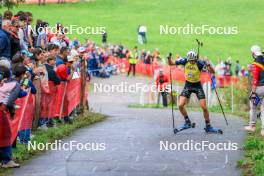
{"type": "Point", "coordinates": [226, 159]}
{"type": "Point", "coordinates": [94, 169]}
{"type": "Point", "coordinates": [137, 158]}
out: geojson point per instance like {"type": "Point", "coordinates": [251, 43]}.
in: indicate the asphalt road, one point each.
{"type": "Point", "coordinates": [132, 140]}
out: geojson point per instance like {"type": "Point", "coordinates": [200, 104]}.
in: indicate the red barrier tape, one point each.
{"type": "Point", "coordinates": [177, 72]}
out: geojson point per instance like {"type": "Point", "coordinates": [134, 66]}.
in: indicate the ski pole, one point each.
{"type": "Point", "coordinates": [172, 101]}
{"type": "Point", "coordinates": [175, 130]}
{"type": "Point", "coordinates": [219, 101]}
{"type": "Point", "coordinates": [198, 47]}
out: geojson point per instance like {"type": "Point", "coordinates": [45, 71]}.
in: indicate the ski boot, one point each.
{"type": "Point", "coordinates": [210, 129]}
{"type": "Point", "coordinates": [185, 126]}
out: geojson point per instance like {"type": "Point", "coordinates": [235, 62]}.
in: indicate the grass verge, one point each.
{"type": "Point", "coordinates": [253, 161]}
{"type": "Point", "coordinates": [21, 154]}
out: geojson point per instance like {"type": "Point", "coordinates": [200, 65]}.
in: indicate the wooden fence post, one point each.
{"type": "Point", "coordinates": [83, 87]}
{"type": "Point", "coordinates": [37, 114]}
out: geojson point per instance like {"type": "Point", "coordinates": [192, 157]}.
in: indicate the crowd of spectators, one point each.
{"type": "Point", "coordinates": [225, 68]}
{"type": "Point", "coordinates": [30, 52]}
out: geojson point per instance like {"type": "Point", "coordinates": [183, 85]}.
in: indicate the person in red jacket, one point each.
{"type": "Point", "coordinates": [257, 92]}
{"type": "Point", "coordinates": [161, 83]}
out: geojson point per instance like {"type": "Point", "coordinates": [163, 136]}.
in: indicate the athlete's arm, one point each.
{"type": "Point", "coordinates": [181, 61]}
{"type": "Point", "coordinates": [206, 64]}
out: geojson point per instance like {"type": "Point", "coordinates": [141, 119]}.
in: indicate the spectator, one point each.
{"type": "Point", "coordinates": [5, 46]}
{"type": "Point", "coordinates": [24, 134]}
{"type": "Point", "coordinates": [29, 30]}
{"type": "Point", "coordinates": [59, 40]}
{"type": "Point", "coordinates": [52, 76]}
{"type": "Point", "coordinates": [38, 26]}
{"type": "Point", "coordinates": [132, 58]}
{"type": "Point", "coordinates": [5, 128]}
{"type": "Point", "coordinates": [238, 67]}
{"type": "Point", "coordinates": [53, 50]}
{"type": "Point", "coordinates": [62, 69]}
{"type": "Point", "coordinates": [64, 52]}
{"type": "Point", "coordinates": [1, 18]}
{"type": "Point", "coordinates": [220, 68]}
{"type": "Point", "coordinates": [65, 75]}
{"type": "Point", "coordinates": [143, 33]}
{"type": "Point", "coordinates": [243, 71]}
{"type": "Point", "coordinates": [8, 15]}
{"type": "Point", "coordinates": [104, 37]}
{"type": "Point", "coordinates": [51, 72]}
{"type": "Point", "coordinates": [228, 71]}
{"type": "Point", "coordinates": [22, 31]}
{"type": "Point", "coordinates": [161, 82]}
{"type": "Point", "coordinates": [14, 39]}
{"type": "Point", "coordinates": [42, 39]}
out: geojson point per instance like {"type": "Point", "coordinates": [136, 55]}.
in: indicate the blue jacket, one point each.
{"type": "Point", "coordinates": [5, 46]}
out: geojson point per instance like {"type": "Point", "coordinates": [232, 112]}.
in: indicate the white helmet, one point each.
{"type": "Point", "coordinates": [255, 49]}
{"type": "Point", "coordinates": [192, 55]}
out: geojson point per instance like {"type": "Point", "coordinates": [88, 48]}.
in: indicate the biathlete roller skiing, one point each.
{"type": "Point", "coordinates": [193, 67]}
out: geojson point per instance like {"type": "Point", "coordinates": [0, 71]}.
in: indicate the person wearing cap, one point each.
{"type": "Point", "coordinates": [193, 67]}
{"type": "Point", "coordinates": [161, 83]}
{"type": "Point", "coordinates": [257, 92]}
{"type": "Point", "coordinates": [63, 73]}
{"type": "Point", "coordinates": [62, 69]}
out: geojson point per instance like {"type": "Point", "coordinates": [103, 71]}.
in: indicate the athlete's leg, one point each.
{"type": "Point", "coordinates": [202, 100]}
{"type": "Point", "coordinates": [205, 110]}
{"type": "Point", "coordinates": [185, 95]}
{"type": "Point", "coordinates": [182, 103]}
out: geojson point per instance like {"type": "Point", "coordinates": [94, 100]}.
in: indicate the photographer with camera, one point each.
{"type": "Point", "coordinates": [257, 92]}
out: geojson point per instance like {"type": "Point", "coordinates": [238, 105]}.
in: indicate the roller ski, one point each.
{"type": "Point", "coordinates": [210, 129]}
{"type": "Point", "coordinates": [185, 126]}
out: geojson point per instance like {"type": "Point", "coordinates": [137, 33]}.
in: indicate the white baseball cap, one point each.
{"type": "Point", "coordinates": [5, 63]}
{"type": "Point", "coordinates": [255, 49]}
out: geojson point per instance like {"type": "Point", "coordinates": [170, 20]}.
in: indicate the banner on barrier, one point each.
{"type": "Point", "coordinates": [50, 107]}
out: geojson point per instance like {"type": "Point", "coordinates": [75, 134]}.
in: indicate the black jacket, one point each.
{"type": "Point", "coordinates": [52, 74]}
{"type": "Point", "coordinates": [15, 45]}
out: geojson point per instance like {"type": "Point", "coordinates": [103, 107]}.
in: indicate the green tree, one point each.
{"type": "Point", "coordinates": [9, 4]}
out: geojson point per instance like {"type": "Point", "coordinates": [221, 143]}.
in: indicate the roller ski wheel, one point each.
{"type": "Point", "coordinates": [211, 129]}
{"type": "Point", "coordinates": [175, 130]}
{"type": "Point", "coordinates": [184, 127]}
